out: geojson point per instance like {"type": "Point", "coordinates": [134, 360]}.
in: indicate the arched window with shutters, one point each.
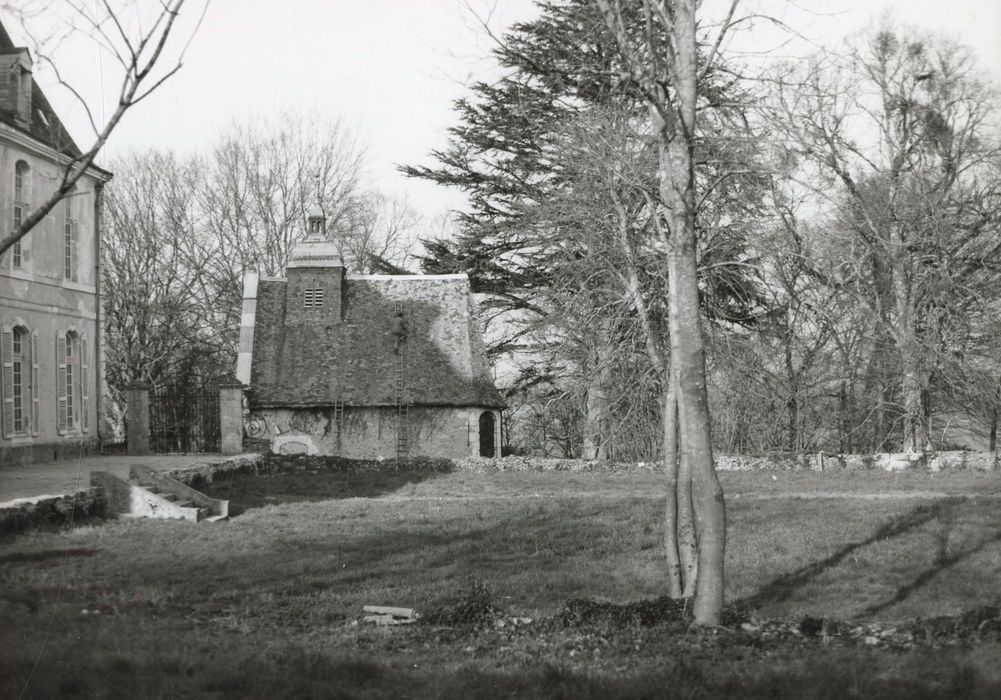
{"type": "Point", "coordinates": [19, 376]}
{"type": "Point", "coordinates": [72, 377]}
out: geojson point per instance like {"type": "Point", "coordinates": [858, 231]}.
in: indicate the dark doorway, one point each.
{"type": "Point", "coordinates": [487, 434]}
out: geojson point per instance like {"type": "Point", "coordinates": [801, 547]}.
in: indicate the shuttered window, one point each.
{"type": "Point", "coordinates": [35, 386]}
{"type": "Point", "coordinates": [7, 377]}
{"type": "Point", "coordinates": [61, 399]}
{"type": "Point", "coordinates": [84, 388]}
{"type": "Point", "coordinates": [17, 352]}
{"type": "Point", "coordinates": [72, 399]}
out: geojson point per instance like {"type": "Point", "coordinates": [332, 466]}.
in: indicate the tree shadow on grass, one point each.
{"type": "Point", "coordinates": [943, 560]}
{"type": "Point", "coordinates": [246, 491]}
{"type": "Point", "coordinates": [782, 588]}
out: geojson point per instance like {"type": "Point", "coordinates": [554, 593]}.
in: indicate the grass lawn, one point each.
{"type": "Point", "coordinates": [267, 604]}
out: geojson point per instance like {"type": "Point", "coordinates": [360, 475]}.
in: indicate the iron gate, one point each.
{"type": "Point", "coordinates": [184, 421]}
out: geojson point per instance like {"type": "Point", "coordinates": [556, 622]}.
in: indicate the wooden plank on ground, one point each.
{"type": "Point", "coordinates": [407, 613]}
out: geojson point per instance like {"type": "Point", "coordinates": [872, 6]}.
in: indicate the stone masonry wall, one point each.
{"type": "Point", "coordinates": [371, 432]}
{"type": "Point", "coordinates": [58, 511]}
{"type": "Point", "coordinates": [935, 461]}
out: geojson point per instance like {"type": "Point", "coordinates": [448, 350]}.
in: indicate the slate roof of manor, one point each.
{"type": "Point", "coordinates": [45, 124]}
{"type": "Point", "coordinates": [317, 363]}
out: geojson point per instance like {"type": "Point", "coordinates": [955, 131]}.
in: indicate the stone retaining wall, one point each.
{"type": "Point", "coordinates": [58, 511]}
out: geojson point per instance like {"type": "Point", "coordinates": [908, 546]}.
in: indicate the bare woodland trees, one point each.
{"type": "Point", "coordinates": [895, 136]}
{"type": "Point", "coordinates": [146, 51]}
{"type": "Point", "coordinates": [156, 316]}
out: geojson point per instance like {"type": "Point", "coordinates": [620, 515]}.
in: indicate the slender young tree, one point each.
{"type": "Point", "coordinates": [664, 64]}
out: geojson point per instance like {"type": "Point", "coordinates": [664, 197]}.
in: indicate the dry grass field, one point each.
{"type": "Point", "coordinates": [269, 604]}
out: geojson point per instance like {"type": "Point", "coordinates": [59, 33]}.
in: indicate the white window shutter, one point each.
{"type": "Point", "coordinates": [61, 426]}
{"type": "Point", "coordinates": [7, 388]}
{"type": "Point", "coordinates": [35, 386]}
{"type": "Point", "coordinates": [84, 389]}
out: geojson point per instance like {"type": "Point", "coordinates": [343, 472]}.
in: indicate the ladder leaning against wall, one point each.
{"type": "Point", "coordinates": [402, 408]}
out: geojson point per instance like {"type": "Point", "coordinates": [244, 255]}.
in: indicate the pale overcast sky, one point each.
{"type": "Point", "coordinates": [391, 68]}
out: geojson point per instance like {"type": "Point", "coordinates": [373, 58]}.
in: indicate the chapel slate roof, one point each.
{"type": "Point", "coordinates": [353, 361]}
{"type": "Point", "coordinates": [45, 125]}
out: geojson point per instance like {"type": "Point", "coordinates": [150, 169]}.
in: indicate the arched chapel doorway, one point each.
{"type": "Point", "coordinates": [487, 434]}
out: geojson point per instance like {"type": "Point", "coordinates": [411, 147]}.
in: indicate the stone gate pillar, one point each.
{"type": "Point", "coordinates": [137, 417]}
{"type": "Point", "coordinates": [231, 416]}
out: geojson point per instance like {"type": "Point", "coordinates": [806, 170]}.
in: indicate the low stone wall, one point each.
{"type": "Point", "coordinates": [887, 461]}
{"type": "Point", "coordinates": [58, 511]}
{"type": "Point", "coordinates": [549, 464]}
{"type": "Point", "coordinates": [196, 475]}
{"type": "Point", "coordinates": [273, 464]}
{"type": "Point", "coordinates": [821, 462]}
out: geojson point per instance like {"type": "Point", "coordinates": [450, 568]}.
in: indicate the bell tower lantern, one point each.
{"type": "Point", "coordinates": [315, 274]}
{"type": "Point", "coordinates": [316, 221]}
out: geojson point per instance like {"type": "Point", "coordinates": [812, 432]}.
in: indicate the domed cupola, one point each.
{"type": "Point", "coordinates": [315, 250]}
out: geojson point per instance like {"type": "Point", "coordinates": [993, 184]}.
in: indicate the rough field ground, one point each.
{"type": "Point", "coordinates": [268, 604]}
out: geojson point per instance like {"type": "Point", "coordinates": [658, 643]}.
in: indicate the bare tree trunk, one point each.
{"type": "Point", "coordinates": [656, 65]}
{"type": "Point", "coordinates": [994, 418]}
{"type": "Point", "coordinates": [697, 471]}
{"type": "Point", "coordinates": [674, 572]}
{"type": "Point", "coordinates": [684, 531]}
{"type": "Point", "coordinates": [596, 411]}
{"type": "Point", "coordinates": [792, 401]}
{"type": "Point", "coordinates": [677, 173]}
{"type": "Point", "coordinates": [904, 334]}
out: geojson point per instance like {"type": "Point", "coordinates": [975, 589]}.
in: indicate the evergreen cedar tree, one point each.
{"type": "Point", "coordinates": [500, 154]}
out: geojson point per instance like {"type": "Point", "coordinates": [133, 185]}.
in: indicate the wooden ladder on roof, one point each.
{"type": "Point", "coordinates": [402, 407]}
